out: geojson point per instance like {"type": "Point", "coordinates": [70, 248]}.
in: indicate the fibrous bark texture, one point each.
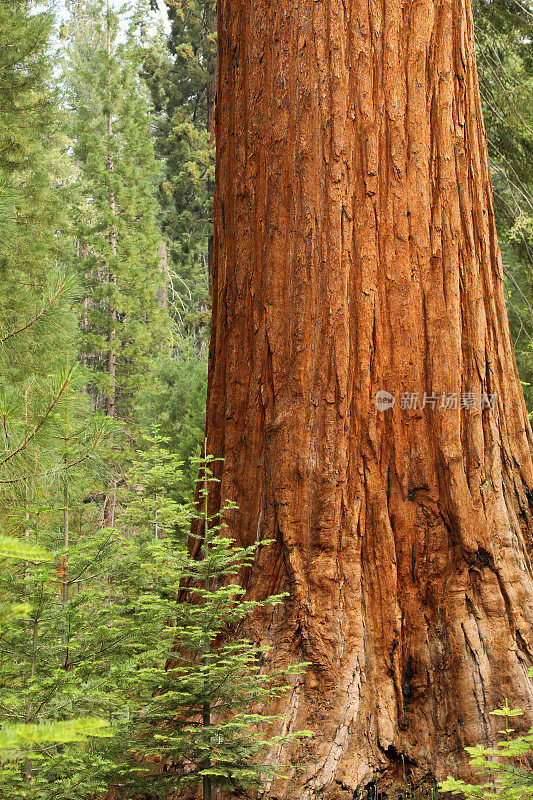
{"type": "Point", "coordinates": [356, 251]}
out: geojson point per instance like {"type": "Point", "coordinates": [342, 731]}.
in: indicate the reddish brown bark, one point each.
{"type": "Point", "coordinates": [355, 250]}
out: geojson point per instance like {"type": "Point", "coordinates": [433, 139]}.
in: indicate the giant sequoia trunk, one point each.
{"type": "Point", "coordinates": [356, 251]}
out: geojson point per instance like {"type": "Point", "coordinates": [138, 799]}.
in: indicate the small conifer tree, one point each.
{"type": "Point", "coordinates": [506, 767]}
{"type": "Point", "coordinates": [193, 681]}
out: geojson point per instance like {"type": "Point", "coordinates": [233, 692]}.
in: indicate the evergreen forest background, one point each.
{"type": "Point", "coordinates": [106, 180]}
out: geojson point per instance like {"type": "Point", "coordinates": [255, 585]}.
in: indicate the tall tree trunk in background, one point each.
{"type": "Point", "coordinates": [162, 292]}
{"type": "Point", "coordinates": [110, 397]}
{"type": "Point", "coordinates": [211, 88]}
{"type": "Point", "coordinates": [355, 251]}
{"type": "Point", "coordinates": [112, 277]}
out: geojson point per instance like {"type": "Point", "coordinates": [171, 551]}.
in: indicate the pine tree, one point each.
{"type": "Point", "coordinates": [26, 105]}
{"type": "Point", "coordinates": [175, 398]}
{"type": "Point", "coordinates": [37, 323]}
{"type": "Point", "coordinates": [503, 36]}
{"type": "Point", "coordinates": [49, 448]}
{"type": "Point", "coordinates": [123, 323]}
{"type": "Point", "coordinates": [38, 375]}
{"type": "Point", "coordinates": [34, 178]}
{"type": "Point", "coordinates": [180, 70]}
{"type": "Point", "coordinates": [190, 697]}
{"type": "Point", "coordinates": [101, 636]}
{"type": "Point", "coordinates": [17, 739]}
{"type": "Point", "coordinates": [156, 474]}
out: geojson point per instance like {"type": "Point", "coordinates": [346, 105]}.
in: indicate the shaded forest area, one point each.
{"type": "Point", "coordinates": [132, 663]}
